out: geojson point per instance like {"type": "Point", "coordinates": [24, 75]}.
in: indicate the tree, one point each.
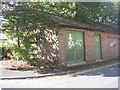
{"type": "Point", "coordinates": [103, 12]}
{"type": "Point", "coordinates": [28, 22]}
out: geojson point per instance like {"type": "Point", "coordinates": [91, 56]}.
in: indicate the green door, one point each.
{"type": "Point", "coordinates": [98, 53]}
{"type": "Point", "coordinates": [75, 46]}
{"type": "Point", "coordinates": [70, 38]}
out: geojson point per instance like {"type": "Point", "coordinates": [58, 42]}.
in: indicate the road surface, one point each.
{"type": "Point", "coordinates": [103, 78]}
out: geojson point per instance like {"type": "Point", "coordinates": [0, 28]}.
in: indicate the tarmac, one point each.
{"type": "Point", "coordinates": [7, 74]}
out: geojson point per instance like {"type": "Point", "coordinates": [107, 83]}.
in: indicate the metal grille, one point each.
{"type": "Point", "coordinates": [79, 55]}
{"type": "Point", "coordinates": [70, 56]}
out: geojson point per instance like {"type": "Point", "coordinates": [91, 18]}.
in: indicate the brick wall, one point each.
{"type": "Point", "coordinates": [89, 46]}
{"type": "Point", "coordinates": [105, 46]}
{"type": "Point", "coordinates": [109, 46]}
{"type": "Point", "coordinates": [62, 46]}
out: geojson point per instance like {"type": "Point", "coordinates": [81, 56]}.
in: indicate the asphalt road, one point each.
{"type": "Point", "coordinates": [102, 78]}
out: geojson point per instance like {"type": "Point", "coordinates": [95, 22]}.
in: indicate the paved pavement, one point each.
{"type": "Point", "coordinates": [20, 74]}
{"type": "Point", "coordinates": [6, 73]}
{"type": "Point", "coordinates": [102, 78]}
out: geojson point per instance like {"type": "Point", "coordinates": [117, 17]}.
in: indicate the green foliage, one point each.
{"type": "Point", "coordinates": [84, 11]}
{"type": "Point", "coordinates": [27, 23]}
{"type": "Point", "coordinates": [62, 9]}
{"type": "Point", "coordinates": [7, 50]}
{"type": "Point", "coordinates": [11, 51]}
{"type": "Point", "coordinates": [104, 12]}
{"type": "Point", "coordinates": [80, 11]}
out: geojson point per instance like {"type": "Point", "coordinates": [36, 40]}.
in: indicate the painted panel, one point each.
{"type": "Point", "coordinates": [97, 46]}
{"type": "Point", "coordinates": [75, 46]}
{"type": "Point", "coordinates": [70, 46]}
{"type": "Point", "coordinates": [79, 48]}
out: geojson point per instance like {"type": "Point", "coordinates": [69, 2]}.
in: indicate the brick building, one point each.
{"type": "Point", "coordinates": [81, 43]}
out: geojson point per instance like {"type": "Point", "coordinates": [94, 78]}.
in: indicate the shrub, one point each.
{"type": "Point", "coordinates": [26, 53]}
{"type": "Point", "coordinates": [6, 50]}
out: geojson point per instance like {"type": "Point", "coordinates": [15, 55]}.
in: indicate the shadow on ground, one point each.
{"type": "Point", "coordinates": [112, 71]}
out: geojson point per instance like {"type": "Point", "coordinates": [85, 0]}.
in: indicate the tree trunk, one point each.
{"type": "Point", "coordinates": [18, 42]}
